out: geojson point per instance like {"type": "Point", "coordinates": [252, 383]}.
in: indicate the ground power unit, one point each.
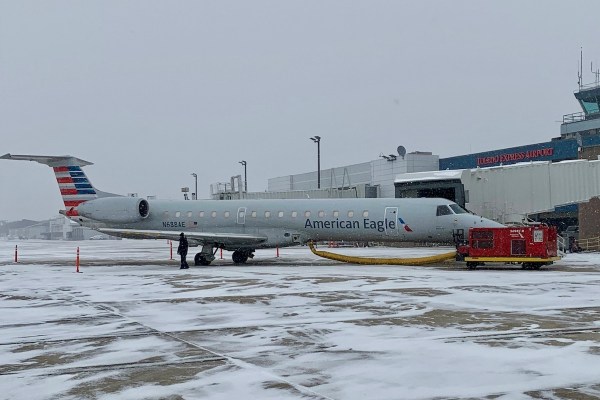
{"type": "Point", "coordinates": [531, 246]}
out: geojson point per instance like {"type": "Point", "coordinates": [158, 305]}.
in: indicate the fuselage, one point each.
{"type": "Point", "coordinates": [295, 221]}
{"type": "Point", "coordinates": [245, 225]}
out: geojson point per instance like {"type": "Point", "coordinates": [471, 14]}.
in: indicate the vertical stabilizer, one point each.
{"type": "Point", "coordinates": [75, 188]}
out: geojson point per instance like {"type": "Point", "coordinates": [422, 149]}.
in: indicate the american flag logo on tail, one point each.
{"type": "Point", "coordinates": [75, 188]}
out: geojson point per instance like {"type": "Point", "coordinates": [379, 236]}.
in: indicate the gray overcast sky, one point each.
{"type": "Point", "coordinates": [151, 91]}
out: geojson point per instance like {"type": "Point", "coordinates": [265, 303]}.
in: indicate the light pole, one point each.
{"type": "Point", "coordinates": [317, 140]}
{"type": "Point", "coordinates": [244, 163]}
{"type": "Point", "coordinates": [196, 179]}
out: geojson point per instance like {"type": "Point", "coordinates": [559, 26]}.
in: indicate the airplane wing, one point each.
{"type": "Point", "coordinates": [194, 238]}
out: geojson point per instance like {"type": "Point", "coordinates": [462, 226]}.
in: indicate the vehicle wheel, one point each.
{"type": "Point", "coordinates": [199, 259]}
{"type": "Point", "coordinates": [471, 265]}
{"type": "Point", "coordinates": [239, 257]}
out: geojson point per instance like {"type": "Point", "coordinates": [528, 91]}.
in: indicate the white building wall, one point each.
{"type": "Point", "coordinates": [330, 178]}
{"type": "Point", "coordinates": [281, 183]}
{"type": "Point", "coordinates": [574, 181]}
{"type": "Point", "coordinates": [384, 172]}
{"type": "Point", "coordinates": [498, 192]}
{"type": "Point", "coordinates": [379, 172]}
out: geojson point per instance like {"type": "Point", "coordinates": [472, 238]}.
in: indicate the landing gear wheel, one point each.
{"type": "Point", "coordinates": [239, 257]}
{"type": "Point", "coordinates": [200, 259]}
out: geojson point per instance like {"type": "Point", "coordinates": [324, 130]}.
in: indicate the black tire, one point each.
{"type": "Point", "coordinates": [199, 259]}
{"type": "Point", "coordinates": [530, 265]}
{"type": "Point", "coordinates": [239, 257]}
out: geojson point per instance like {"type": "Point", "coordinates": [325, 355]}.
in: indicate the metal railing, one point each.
{"type": "Point", "coordinates": [590, 244]}
{"type": "Point", "coordinates": [562, 244]}
{"type": "Point", "coordinates": [589, 86]}
{"type": "Point", "coordinates": [573, 117]}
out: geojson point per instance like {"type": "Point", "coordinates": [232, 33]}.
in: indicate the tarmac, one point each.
{"type": "Point", "coordinates": [131, 325]}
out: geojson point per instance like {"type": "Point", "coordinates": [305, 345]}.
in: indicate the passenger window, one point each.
{"type": "Point", "coordinates": [350, 214]}
{"type": "Point", "coordinates": [280, 214]}
{"type": "Point", "coordinates": [213, 214]}
{"type": "Point", "coordinates": [201, 214]}
{"type": "Point", "coordinates": [178, 214]}
{"type": "Point", "coordinates": [336, 214]}
{"type": "Point", "coordinates": [321, 214]}
{"type": "Point", "coordinates": [226, 214]}
{"type": "Point", "coordinates": [166, 215]}
{"type": "Point", "coordinates": [294, 214]}
{"type": "Point", "coordinates": [307, 214]}
{"type": "Point", "coordinates": [365, 213]}
{"type": "Point", "coordinates": [267, 214]}
{"type": "Point", "coordinates": [189, 214]}
{"type": "Point", "coordinates": [443, 210]}
{"type": "Point", "coordinates": [253, 214]}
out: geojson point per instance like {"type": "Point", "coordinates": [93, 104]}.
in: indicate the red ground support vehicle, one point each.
{"type": "Point", "coordinates": [532, 246]}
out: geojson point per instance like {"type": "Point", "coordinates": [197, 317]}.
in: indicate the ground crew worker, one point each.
{"type": "Point", "coordinates": [182, 251]}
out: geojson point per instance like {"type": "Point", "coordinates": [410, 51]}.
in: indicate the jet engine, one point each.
{"type": "Point", "coordinates": [115, 209]}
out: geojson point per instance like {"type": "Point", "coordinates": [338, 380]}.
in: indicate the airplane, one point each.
{"type": "Point", "coordinates": [242, 226]}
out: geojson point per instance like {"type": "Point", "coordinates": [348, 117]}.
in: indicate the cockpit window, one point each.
{"type": "Point", "coordinates": [458, 209]}
{"type": "Point", "coordinates": [443, 210]}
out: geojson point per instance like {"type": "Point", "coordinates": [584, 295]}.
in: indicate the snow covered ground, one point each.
{"type": "Point", "coordinates": [134, 326]}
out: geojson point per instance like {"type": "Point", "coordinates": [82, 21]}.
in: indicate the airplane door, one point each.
{"type": "Point", "coordinates": [241, 216]}
{"type": "Point", "coordinates": [391, 221]}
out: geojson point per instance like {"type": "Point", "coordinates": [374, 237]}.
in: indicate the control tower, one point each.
{"type": "Point", "coordinates": [585, 123]}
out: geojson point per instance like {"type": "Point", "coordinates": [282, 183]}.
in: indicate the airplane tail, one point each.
{"type": "Point", "coordinates": [75, 187]}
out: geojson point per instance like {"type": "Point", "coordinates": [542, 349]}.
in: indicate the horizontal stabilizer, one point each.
{"type": "Point", "coordinates": [51, 161]}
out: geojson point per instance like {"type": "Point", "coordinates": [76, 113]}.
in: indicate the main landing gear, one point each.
{"type": "Point", "coordinates": [241, 256]}
{"type": "Point", "coordinates": [202, 259]}
{"type": "Point", "coordinates": [207, 255]}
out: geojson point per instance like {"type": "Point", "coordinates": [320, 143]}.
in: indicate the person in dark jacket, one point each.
{"type": "Point", "coordinates": [182, 251]}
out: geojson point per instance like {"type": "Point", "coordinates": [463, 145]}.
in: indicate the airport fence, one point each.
{"type": "Point", "coordinates": [590, 244]}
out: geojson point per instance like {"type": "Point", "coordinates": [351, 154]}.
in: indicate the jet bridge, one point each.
{"type": "Point", "coordinates": [508, 193]}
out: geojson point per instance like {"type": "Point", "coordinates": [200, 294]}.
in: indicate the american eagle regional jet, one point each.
{"type": "Point", "coordinates": [242, 226]}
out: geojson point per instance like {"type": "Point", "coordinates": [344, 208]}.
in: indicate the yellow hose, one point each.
{"type": "Point", "coordinates": [383, 261]}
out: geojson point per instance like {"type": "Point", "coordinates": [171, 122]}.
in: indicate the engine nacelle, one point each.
{"type": "Point", "coordinates": [115, 209]}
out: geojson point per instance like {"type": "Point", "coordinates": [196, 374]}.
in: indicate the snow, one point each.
{"type": "Point", "coordinates": [132, 325]}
